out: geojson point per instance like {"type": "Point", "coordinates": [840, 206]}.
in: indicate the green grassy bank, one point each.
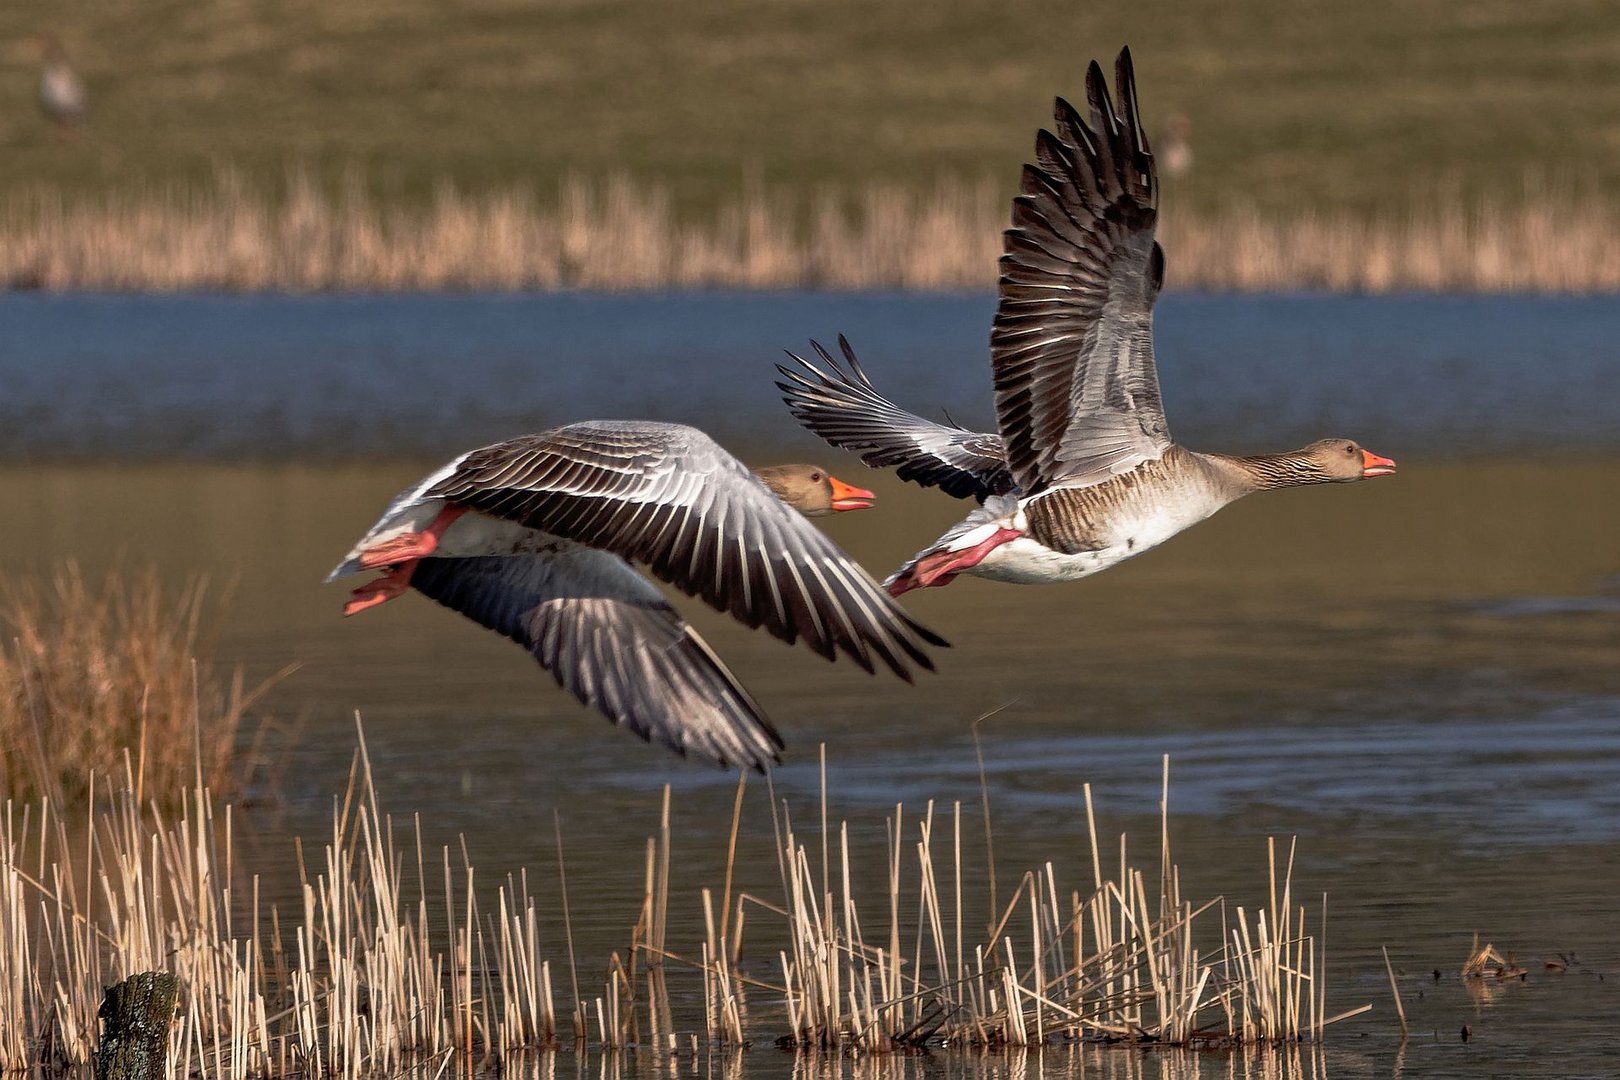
{"type": "Point", "coordinates": [1349, 107]}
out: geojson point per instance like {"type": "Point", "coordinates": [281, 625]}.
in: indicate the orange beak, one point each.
{"type": "Point", "coordinates": [1373, 465]}
{"type": "Point", "coordinates": [845, 497]}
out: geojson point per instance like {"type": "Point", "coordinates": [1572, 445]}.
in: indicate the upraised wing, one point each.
{"type": "Point", "coordinates": [1077, 394]}
{"type": "Point", "coordinates": [844, 408]}
{"type": "Point", "coordinates": [669, 497]}
{"type": "Point", "coordinates": [610, 638]}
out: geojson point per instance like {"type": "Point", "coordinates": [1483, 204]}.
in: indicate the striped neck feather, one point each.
{"type": "Point", "coordinates": [1262, 472]}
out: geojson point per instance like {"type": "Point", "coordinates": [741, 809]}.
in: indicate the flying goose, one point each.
{"type": "Point", "coordinates": [62, 96]}
{"type": "Point", "coordinates": [1082, 474]}
{"type": "Point", "coordinates": [534, 538]}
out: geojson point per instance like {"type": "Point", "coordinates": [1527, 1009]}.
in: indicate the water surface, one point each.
{"type": "Point", "coordinates": [1418, 677]}
{"type": "Point", "coordinates": [342, 375]}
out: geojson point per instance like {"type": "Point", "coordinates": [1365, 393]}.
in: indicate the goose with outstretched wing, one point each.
{"type": "Point", "coordinates": [1082, 473]}
{"type": "Point", "coordinates": [535, 539]}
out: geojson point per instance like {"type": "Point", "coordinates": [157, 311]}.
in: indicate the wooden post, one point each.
{"type": "Point", "coordinates": [135, 1018]}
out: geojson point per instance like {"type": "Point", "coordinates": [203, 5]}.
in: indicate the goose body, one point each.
{"type": "Point", "coordinates": [536, 537]}
{"type": "Point", "coordinates": [1070, 533]}
{"type": "Point", "coordinates": [1082, 473]}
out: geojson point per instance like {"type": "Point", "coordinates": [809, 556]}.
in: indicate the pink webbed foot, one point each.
{"type": "Point", "coordinates": [382, 590]}
{"type": "Point", "coordinates": [928, 572]}
{"type": "Point", "coordinates": [941, 567]}
{"type": "Point", "coordinates": [409, 546]}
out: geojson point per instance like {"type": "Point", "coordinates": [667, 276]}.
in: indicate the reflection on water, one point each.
{"type": "Point", "coordinates": [1604, 603]}
{"type": "Point", "coordinates": [1065, 1062]}
{"type": "Point", "coordinates": [1426, 1054]}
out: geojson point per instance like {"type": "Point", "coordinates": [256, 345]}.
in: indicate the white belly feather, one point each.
{"type": "Point", "coordinates": [1027, 562]}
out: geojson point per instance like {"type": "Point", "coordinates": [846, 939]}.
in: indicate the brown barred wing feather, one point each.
{"type": "Point", "coordinates": [840, 404]}
{"type": "Point", "coordinates": [610, 638]}
{"type": "Point", "coordinates": [667, 496]}
{"type": "Point", "coordinates": [1077, 392]}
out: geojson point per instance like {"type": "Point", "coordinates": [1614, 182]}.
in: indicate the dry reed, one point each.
{"type": "Point", "coordinates": [1116, 960]}
{"type": "Point", "coordinates": [394, 959]}
{"type": "Point", "coordinates": [1485, 962]}
{"type": "Point", "coordinates": [621, 235]}
{"type": "Point", "coordinates": [89, 674]}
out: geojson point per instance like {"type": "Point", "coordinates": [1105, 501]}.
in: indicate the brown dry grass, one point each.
{"type": "Point", "coordinates": [89, 674]}
{"type": "Point", "coordinates": [1448, 247]}
{"type": "Point", "coordinates": [618, 235]}
{"type": "Point", "coordinates": [613, 235]}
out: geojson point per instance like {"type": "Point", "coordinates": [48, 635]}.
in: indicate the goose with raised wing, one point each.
{"type": "Point", "coordinates": [1082, 473]}
{"type": "Point", "coordinates": [535, 538]}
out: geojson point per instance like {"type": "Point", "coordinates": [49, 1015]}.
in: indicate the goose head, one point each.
{"type": "Point", "coordinates": [812, 490]}
{"type": "Point", "coordinates": [1344, 460]}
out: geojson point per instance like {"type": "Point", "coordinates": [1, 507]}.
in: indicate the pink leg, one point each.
{"type": "Point", "coordinates": [417, 545]}
{"type": "Point", "coordinates": [384, 589]}
{"type": "Point", "coordinates": [940, 567]}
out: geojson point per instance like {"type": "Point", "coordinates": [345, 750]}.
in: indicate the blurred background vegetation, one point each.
{"type": "Point", "coordinates": [1338, 106]}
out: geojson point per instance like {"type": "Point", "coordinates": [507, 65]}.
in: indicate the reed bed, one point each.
{"type": "Point", "coordinates": [349, 983]}
{"type": "Point", "coordinates": [1114, 959]}
{"type": "Point", "coordinates": [395, 959]}
{"type": "Point", "coordinates": [618, 234]}
{"type": "Point", "coordinates": [89, 673]}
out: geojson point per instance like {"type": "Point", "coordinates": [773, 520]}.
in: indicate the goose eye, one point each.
{"type": "Point", "coordinates": [815, 478]}
{"type": "Point", "coordinates": [1350, 449]}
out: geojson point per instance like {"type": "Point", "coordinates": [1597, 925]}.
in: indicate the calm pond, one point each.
{"type": "Point", "coordinates": [1417, 677]}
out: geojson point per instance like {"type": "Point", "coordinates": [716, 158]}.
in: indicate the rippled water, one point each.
{"type": "Point", "coordinates": [1417, 677]}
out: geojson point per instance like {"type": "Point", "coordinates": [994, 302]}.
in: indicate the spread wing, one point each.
{"type": "Point", "coordinates": [669, 497]}
{"type": "Point", "coordinates": [611, 639]}
{"type": "Point", "coordinates": [845, 409]}
{"type": "Point", "coordinates": [1077, 395]}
